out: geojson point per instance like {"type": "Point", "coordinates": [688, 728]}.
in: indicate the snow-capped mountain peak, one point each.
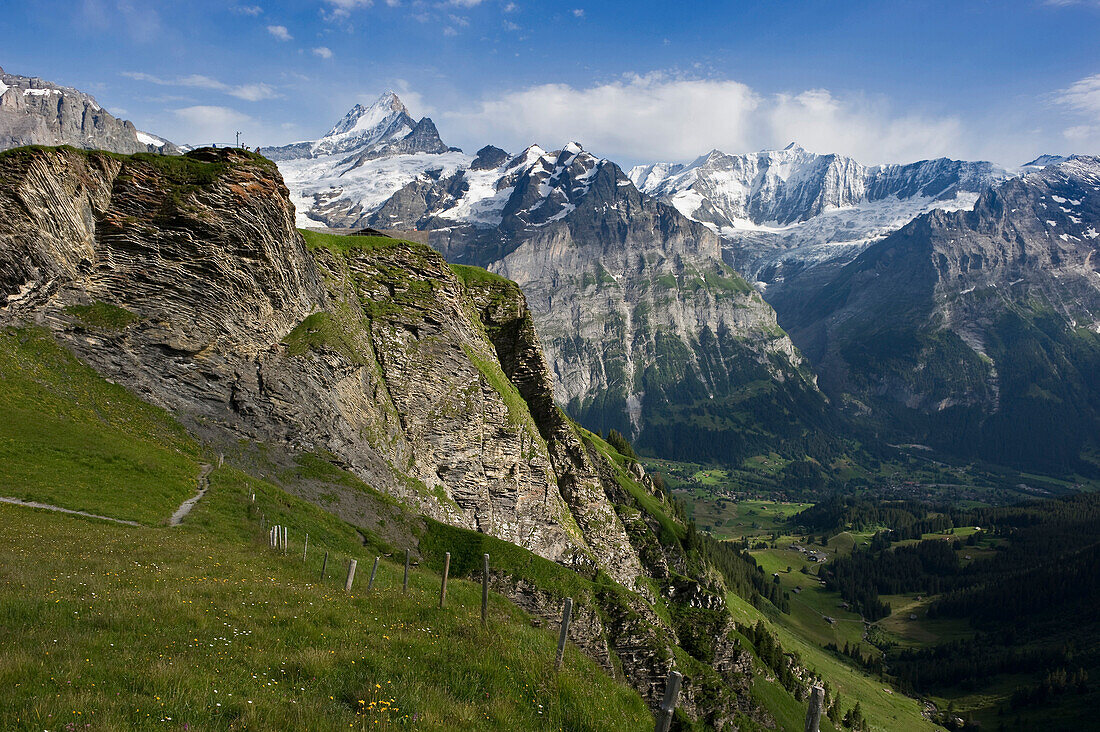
{"type": "Point", "coordinates": [386, 120]}
{"type": "Point", "coordinates": [1041, 162]}
{"type": "Point", "coordinates": [360, 118]}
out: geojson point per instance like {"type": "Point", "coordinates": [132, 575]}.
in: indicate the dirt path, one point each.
{"type": "Point", "coordinates": [186, 506]}
{"type": "Point", "coordinates": [48, 507]}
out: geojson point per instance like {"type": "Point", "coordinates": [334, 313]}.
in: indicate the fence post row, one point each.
{"type": "Point", "coordinates": [668, 705]}
{"type": "Point", "coordinates": [443, 585]}
{"type": "Point", "coordinates": [566, 612]}
{"type": "Point", "coordinates": [813, 714]}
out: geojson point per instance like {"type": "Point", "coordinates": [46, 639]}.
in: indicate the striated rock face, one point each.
{"type": "Point", "coordinates": [508, 322]}
{"type": "Point", "coordinates": [372, 352]}
{"type": "Point", "coordinates": [36, 112]}
{"type": "Point", "coordinates": [975, 331]}
{"type": "Point", "coordinates": [185, 279]}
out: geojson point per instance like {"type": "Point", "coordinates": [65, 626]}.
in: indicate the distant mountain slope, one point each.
{"type": "Point", "coordinates": [975, 331]}
{"type": "Point", "coordinates": [37, 112]}
{"type": "Point", "coordinates": [780, 212]}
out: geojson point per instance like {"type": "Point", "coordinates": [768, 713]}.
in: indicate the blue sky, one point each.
{"type": "Point", "coordinates": [634, 81]}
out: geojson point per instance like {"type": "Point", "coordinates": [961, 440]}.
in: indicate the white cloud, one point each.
{"type": "Point", "coordinates": [280, 32]}
{"type": "Point", "coordinates": [465, 3]}
{"type": "Point", "coordinates": [249, 92]}
{"type": "Point", "coordinates": [343, 8]}
{"type": "Point", "coordinates": [449, 31]}
{"type": "Point", "coordinates": [1082, 95]}
{"type": "Point", "coordinates": [323, 52]}
{"type": "Point", "coordinates": [253, 92]}
{"type": "Point", "coordinates": [511, 8]}
{"type": "Point", "coordinates": [205, 124]}
{"type": "Point", "coordinates": [578, 12]}
{"type": "Point", "coordinates": [663, 117]}
{"type": "Point", "coordinates": [1081, 134]}
{"type": "Point", "coordinates": [252, 10]}
{"type": "Point", "coordinates": [863, 128]}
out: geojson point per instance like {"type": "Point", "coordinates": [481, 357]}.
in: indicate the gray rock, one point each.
{"type": "Point", "coordinates": [37, 112]}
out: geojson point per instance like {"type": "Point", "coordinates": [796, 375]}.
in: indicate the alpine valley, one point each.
{"type": "Point", "coordinates": [770, 421]}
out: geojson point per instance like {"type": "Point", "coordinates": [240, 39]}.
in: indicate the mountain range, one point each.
{"type": "Point", "coordinates": [660, 292]}
{"type": "Point", "coordinates": [695, 306]}
{"type": "Point", "coordinates": [647, 329]}
{"type": "Point", "coordinates": [429, 345]}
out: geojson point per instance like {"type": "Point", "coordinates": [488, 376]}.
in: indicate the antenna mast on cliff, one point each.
{"type": "Point", "coordinates": [238, 139]}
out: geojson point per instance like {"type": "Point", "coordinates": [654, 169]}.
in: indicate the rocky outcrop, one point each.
{"type": "Point", "coordinates": [36, 112]}
{"type": "Point", "coordinates": [488, 158]}
{"type": "Point", "coordinates": [367, 352]}
{"type": "Point", "coordinates": [185, 279]}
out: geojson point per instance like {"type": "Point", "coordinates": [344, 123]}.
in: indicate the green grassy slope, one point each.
{"type": "Point", "coordinates": [204, 626]}
{"type": "Point", "coordinates": [884, 708]}
{"type": "Point", "coordinates": [70, 438]}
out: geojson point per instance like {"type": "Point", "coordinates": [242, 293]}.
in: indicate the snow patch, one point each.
{"type": "Point", "coordinates": [146, 139]}
{"type": "Point", "coordinates": [369, 184]}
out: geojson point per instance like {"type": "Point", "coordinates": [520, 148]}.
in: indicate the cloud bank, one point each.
{"type": "Point", "coordinates": [663, 117]}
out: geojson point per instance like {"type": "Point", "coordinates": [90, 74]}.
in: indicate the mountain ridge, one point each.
{"type": "Point", "coordinates": [1008, 292]}
{"type": "Point", "coordinates": [38, 112]}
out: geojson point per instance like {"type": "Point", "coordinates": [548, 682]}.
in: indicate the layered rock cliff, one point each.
{"type": "Point", "coordinates": [184, 279]}
{"type": "Point", "coordinates": [37, 112]}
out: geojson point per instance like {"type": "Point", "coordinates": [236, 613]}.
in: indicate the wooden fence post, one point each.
{"type": "Point", "coordinates": [566, 612]}
{"type": "Point", "coordinates": [285, 542]}
{"type": "Point", "coordinates": [813, 714]}
{"type": "Point", "coordinates": [485, 590]}
{"type": "Point", "coordinates": [323, 565]}
{"type": "Point", "coordinates": [351, 575]}
{"type": "Point", "coordinates": [443, 585]}
{"type": "Point", "coordinates": [668, 706]}
{"type": "Point", "coordinates": [405, 584]}
{"type": "Point", "coordinates": [372, 573]}
{"type": "Point", "coordinates": [305, 548]}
